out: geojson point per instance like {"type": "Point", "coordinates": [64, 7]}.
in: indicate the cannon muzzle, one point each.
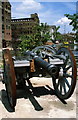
{"type": "Point", "coordinates": [50, 69]}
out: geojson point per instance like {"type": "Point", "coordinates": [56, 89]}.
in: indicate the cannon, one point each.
{"type": "Point", "coordinates": [45, 60]}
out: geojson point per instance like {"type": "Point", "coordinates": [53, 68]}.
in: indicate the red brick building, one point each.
{"type": "Point", "coordinates": [24, 26]}
{"type": "Point", "coordinates": [6, 23]}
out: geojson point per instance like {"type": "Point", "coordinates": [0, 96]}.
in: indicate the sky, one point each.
{"type": "Point", "coordinates": [49, 12]}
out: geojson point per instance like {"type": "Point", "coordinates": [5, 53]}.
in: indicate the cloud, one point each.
{"type": "Point", "coordinates": [29, 5]}
{"type": "Point", "coordinates": [25, 8]}
{"type": "Point", "coordinates": [63, 20]}
{"type": "Point", "coordinates": [45, 0]}
{"type": "Point", "coordinates": [47, 13]}
{"type": "Point", "coordinates": [64, 25]}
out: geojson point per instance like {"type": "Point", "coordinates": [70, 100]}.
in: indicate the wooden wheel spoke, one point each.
{"type": "Point", "coordinates": [64, 87]}
{"type": "Point", "coordinates": [40, 53]}
{"type": "Point", "coordinates": [66, 69]}
{"type": "Point", "coordinates": [58, 83]}
{"type": "Point", "coordinates": [65, 63]}
{"type": "Point", "coordinates": [61, 88]}
{"type": "Point", "coordinates": [66, 81]}
{"type": "Point", "coordinates": [67, 75]}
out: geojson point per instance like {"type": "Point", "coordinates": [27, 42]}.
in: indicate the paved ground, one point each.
{"type": "Point", "coordinates": [42, 104]}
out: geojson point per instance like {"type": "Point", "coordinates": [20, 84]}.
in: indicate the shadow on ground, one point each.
{"type": "Point", "coordinates": [5, 102]}
{"type": "Point", "coordinates": [28, 92]}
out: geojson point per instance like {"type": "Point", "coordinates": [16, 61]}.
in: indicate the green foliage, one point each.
{"type": "Point", "coordinates": [40, 37]}
{"type": "Point", "coordinates": [57, 35]}
{"type": "Point", "coordinates": [77, 36]}
{"type": "Point", "coordinates": [74, 20]}
{"type": "Point", "coordinates": [74, 23]}
{"type": "Point", "coordinates": [28, 42]}
{"type": "Point", "coordinates": [42, 32]}
{"type": "Point", "coordinates": [68, 38]}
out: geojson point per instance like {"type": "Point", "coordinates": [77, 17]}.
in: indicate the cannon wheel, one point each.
{"type": "Point", "coordinates": [9, 77]}
{"type": "Point", "coordinates": [64, 85]}
{"type": "Point", "coordinates": [42, 51]}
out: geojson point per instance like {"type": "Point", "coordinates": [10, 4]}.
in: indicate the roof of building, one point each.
{"type": "Point", "coordinates": [22, 19]}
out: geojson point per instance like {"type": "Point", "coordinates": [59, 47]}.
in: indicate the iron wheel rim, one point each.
{"type": "Point", "coordinates": [65, 85]}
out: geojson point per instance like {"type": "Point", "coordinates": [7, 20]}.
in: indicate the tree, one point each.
{"type": "Point", "coordinates": [15, 45]}
{"type": "Point", "coordinates": [57, 35]}
{"type": "Point", "coordinates": [74, 23]}
{"type": "Point", "coordinates": [74, 20]}
{"type": "Point", "coordinates": [43, 32]}
{"type": "Point", "coordinates": [69, 37]}
{"type": "Point", "coordinates": [40, 37]}
{"type": "Point", "coordinates": [28, 42]}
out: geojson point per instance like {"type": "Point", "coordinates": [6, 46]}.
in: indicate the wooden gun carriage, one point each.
{"type": "Point", "coordinates": [59, 64]}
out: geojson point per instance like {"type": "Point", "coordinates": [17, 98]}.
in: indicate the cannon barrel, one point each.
{"type": "Point", "coordinates": [50, 69]}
